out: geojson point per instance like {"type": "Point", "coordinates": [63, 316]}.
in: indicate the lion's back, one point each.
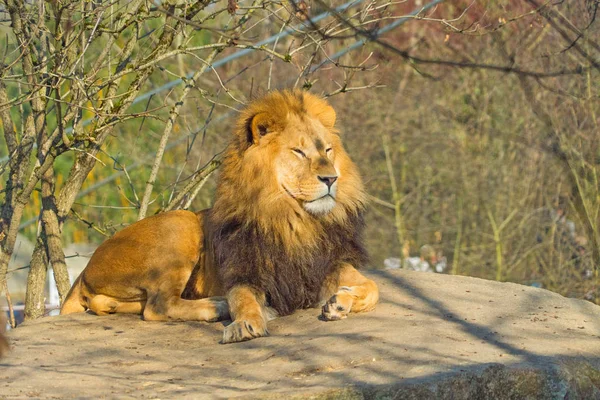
{"type": "Point", "coordinates": [141, 249]}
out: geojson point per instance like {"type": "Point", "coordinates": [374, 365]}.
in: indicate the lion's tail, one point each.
{"type": "Point", "coordinates": [74, 301]}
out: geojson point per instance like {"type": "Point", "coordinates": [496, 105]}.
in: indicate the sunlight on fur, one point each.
{"type": "Point", "coordinates": [285, 233]}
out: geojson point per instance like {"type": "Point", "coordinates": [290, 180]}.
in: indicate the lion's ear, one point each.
{"type": "Point", "coordinates": [320, 109]}
{"type": "Point", "coordinates": [257, 126]}
{"type": "Point", "coordinates": [327, 117]}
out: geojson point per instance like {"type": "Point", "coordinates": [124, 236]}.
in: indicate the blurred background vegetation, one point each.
{"type": "Point", "coordinates": [474, 124]}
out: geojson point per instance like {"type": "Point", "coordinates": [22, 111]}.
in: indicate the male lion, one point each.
{"type": "Point", "coordinates": [285, 233]}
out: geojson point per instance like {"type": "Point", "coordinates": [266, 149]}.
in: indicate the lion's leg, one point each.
{"type": "Point", "coordinates": [174, 307]}
{"type": "Point", "coordinates": [165, 301]}
{"type": "Point", "coordinates": [131, 307]}
{"type": "Point", "coordinates": [103, 305]}
{"type": "Point", "coordinates": [246, 307]}
{"type": "Point", "coordinates": [355, 293]}
{"type": "Point", "coordinates": [74, 302]}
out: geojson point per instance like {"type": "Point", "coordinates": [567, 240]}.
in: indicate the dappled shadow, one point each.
{"type": "Point", "coordinates": [440, 309]}
{"type": "Point", "coordinates": [427, 329]}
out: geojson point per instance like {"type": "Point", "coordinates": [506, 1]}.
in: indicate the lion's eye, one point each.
{"type": "Point", "coordinates": [328, 150]}
{"type": "Point", "coordinates": [299, 152]}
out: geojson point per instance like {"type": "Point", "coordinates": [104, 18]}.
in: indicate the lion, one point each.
{"type": "Point", "coordinates": [285, 233]}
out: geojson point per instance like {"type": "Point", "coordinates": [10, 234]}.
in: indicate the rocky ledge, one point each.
{"type": "Point", "coordinates": [431, 337]}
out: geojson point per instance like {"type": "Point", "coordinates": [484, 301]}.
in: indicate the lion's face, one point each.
{"type": "Point", "coordinates": [305, 167]}
{"type": "Point", "coordinates": [286, 164]}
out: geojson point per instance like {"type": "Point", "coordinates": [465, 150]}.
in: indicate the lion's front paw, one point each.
{"type": "Point", "coordinates": [242, 330]}
{"type": "Point", "coordinates": [338, 306]}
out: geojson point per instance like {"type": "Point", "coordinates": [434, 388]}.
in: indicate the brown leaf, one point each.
{"type": "Point", "coordinates": [302, 10]}
{"type": "Point", "coordinates": [232, 6]}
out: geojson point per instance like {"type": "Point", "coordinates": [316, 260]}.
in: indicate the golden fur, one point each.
{"type": "Point", "coordinates": [144, 268]}
{"type": "Point", "coordinates": [298, 121]}
{"type": "Point", "coordinates": [285, 232]}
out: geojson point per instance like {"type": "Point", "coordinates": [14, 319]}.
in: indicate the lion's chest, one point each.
{"type": "Point", "coordinates": [291, 278]}
{"type": "Point", "coordinates": [298, 283]}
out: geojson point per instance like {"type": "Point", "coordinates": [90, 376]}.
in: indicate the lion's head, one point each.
{"type": "Point", "coordinates": [287, 164]}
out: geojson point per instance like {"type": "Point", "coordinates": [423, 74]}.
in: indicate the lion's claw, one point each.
{"type": "Point", "coordinates": [240, 331]}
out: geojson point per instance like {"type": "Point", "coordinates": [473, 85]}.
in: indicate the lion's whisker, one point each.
{"type": "Point", "coordinates": [273, 197]}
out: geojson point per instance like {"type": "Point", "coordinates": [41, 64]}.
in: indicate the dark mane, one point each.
{"type": "Point", "coordinates": [247, 255]}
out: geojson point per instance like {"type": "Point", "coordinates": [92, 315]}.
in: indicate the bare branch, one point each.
{"type": "Point", "coordinates": [374, 37]}
{"type": "Point", "coordinates": [167, 132]}
{"type": "Point", "coordinates": [198, 179]}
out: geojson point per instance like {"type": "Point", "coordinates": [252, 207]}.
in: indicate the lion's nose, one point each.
{"type": "Point", "coordinates": [328, 180]}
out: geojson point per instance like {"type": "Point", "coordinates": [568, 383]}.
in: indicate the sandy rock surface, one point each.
{"type": "Point", "coordinates": [431, 336]}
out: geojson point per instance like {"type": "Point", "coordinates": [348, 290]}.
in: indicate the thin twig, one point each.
{"type": "Point", "coordinates": [167, 132]}
{"type": "Point", "coordinates": [90, 225]}
{"type": "Point", "coordinates": [11, 311]}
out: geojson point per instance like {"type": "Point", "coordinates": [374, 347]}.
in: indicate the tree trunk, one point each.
{"type": "Point", "coordinates": [35, 298]}
{"type": "Point", "coordinates": [53, 234]}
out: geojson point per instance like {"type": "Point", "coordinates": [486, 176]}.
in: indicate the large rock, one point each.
{"type": "Point", "coordinates": [432, 336]}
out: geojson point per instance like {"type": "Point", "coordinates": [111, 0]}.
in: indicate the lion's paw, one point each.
{"type": "Point", "coordinates": [338, 306]}
{"type": "Point", "coordinates": [239, 331]}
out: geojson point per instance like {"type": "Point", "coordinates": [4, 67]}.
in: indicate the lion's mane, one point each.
{"type": "Point", "coordinates": [258, 239]}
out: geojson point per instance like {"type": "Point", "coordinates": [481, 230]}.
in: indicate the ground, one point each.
{"type": "Point", "coordinates": [431, 336]}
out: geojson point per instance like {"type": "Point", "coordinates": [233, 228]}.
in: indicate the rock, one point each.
{"type": "Point", "coordinates": [432, 336]}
